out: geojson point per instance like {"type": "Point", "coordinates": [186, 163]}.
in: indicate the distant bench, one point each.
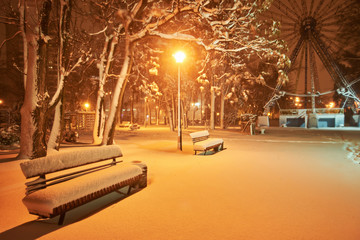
{"type": "Point", "coordinates": [50, 197]}
{"type": "Point", "coordinates": [202, 142]}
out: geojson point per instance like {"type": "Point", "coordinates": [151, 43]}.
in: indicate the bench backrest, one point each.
{"type": "Point", "coordinates": [68, 159]}
{"type": "Point", "coordinates": [199, 136]}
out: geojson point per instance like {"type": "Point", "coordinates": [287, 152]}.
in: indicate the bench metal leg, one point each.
{"type": "Point", "coordinates": [61, 219]}
{"type": "Point", "coordinates": [129, 190]}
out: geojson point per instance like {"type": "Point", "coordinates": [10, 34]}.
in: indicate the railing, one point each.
{"type": "Point", "coordinates": [303, 112]}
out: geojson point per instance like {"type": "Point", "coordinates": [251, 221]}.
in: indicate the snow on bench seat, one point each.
{"type": "Point", "coordinates": [44, 202]}
{"type": "Point", "coordinates": [207, 144]}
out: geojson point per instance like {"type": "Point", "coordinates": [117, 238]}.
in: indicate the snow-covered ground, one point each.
{"type": "Point", "coordinates": [286, 184]}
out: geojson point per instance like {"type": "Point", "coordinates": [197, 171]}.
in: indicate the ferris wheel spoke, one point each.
{"type": "Point", "coordinates": [311, 7]}
{"type": "Point", "coordinates": [295, 5]}
{"type": "Point", "coordinates": [288, 11]}
{"type": "Point", "coordinates": [325, 22]}
{"type": "Point", "coordinates": [275, 15]}
{"type": "Point", "coordinates": [329, 28]}
{"type": "Point", "coordinates": [301, 60]}
{"type": "Point", "coordinates": [290, 36]}
{"type": "Point", "coordinates": [318, 7]}
{"type": "Point", "coordinates": [292, 42]}
{"type": "Point", "coordinates": [291, 29]}
{"type": "Point", "coordinates": [304, 8]}
{"type": "Point", "coordinates": [332, 45]}
{"type": "Point", "coordinates": [333, 10]}
{"type": "Point", "coordinates": [285, 23]}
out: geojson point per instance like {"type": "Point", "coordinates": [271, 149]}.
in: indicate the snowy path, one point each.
{"type": "Point", "coordinates": [272, 186]}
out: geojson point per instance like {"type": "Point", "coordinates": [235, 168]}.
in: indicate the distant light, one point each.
{"type": "Point", "coordinates": [87, 105]}
{"type": "Point", "coordinates": [330, 105]}
{"type": "Point", "coordinates": [268, 113]}
{"type": "Point", "coordinates": [179, 56]}
{"type": "Point", "coordinates": [217, 114]}
{"type": "Point", "coordinates": [297, 99]}
{"type": "Point", "coordinates": [197, 104]}
{"type": "Point", "coordinates": [1, 101]}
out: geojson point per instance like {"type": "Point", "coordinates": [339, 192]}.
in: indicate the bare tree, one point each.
{"type": "Point", "coordinates": [35, 19]}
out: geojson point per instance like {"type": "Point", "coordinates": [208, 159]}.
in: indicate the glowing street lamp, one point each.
{"type": "Point", "coordinates": [1, 101]}
{"type": "Point", "coordinates": [87, 106]}
{"type": "Point", "coordinates": [179, 58]}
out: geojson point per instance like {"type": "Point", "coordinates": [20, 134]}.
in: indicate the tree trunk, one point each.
{"type": "Point", "coordinates": [132, 107]}
{"type": "Point", "coordinates": [145, 113]}
{"type": "Point", "coordinates": [222, 111]}
{"type": "Point", "coordinates": [99, 111]}
{"type": "Point", "coordinates": [114, 108]}
{"type": "Point", "coordinates": [64, 27]}
{"type": "Point", "coordinates": [106, 56]}
{"type": "Point", "coordinates": [212, 112]}
{"type": "Point", "coordinates": [55, 135]}
{"type": "Point", "coordinates": [149, 112]}
{"type": "Point", "coordinates": [33, 111]}
{"type": "Point", "coordinates": [169, 114]}
{"type": "Point", "coordinates": [171, 119]}
{"type": "Point", "coordinates": [184, 115]}
{"type": "Point", "coordinates": [157, 115]}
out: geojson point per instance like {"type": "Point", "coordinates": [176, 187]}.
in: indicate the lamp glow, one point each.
{"type": "Point", "coordinates": [179, 56]}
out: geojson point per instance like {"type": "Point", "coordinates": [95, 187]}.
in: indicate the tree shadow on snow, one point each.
{"type": "Point", "coordinates": [40, 227]}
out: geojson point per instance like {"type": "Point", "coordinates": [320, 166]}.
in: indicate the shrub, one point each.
{"type": "Point", "coordinates": [9, 135]}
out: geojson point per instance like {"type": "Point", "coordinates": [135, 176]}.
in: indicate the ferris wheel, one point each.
{"type": "Point", "coordinates": [310, 30]}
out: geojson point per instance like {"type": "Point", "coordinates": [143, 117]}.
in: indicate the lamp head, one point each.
{"type": "Point", "coordinates": [179, 56]}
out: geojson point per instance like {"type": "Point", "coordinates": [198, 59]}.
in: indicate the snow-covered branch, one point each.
{"type": "Point", "coordinates": [97, 33]}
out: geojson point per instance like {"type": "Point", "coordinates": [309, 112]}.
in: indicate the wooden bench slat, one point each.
{"type": "Point", "coordinates": [42, 180]}
{"type": "Point", "coordinates": [65, 177]}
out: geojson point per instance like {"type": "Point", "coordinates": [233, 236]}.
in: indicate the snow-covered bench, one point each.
{"type": "Point", "coordinates": [202, 142]}
{"type": "Point", "coordinates": [69, 179]}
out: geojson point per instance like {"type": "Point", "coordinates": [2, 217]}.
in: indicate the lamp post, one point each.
{"type": "Point", "coordinates": [179, 57]}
